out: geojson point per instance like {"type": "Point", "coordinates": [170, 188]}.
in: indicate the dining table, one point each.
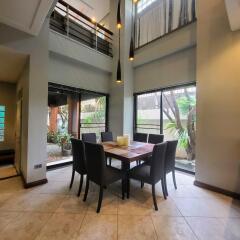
{"type": "Point", "coordinates": [135, 151]}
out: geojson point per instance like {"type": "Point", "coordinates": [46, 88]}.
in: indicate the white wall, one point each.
{"type": "Point", "coordinates": [37, 92]}
{"type": "Point", "coordinates": [218, 98]}
{"type": "Point", "coordinates": [174, 69]}
{"type": "Point", "coordinates": [23, 86]}
{"type": "Point", "coordinates": [63, 70]}
{"type": "Point", "coordinates": [121, 95]}
{"type": "Point", "coordinates": [77, 51]}
{"type": "Point", "coordinates": [8, 99]}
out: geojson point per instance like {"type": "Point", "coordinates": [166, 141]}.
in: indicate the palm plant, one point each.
{"type": "Point", "coordinates": [183, 107]}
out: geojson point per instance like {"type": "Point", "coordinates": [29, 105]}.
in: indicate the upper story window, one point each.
{"type": "Point", "coordinates": [143, 4]}
{"type": "Point", "coordinates": [2, 122]}
{"type": "Point", "coordinates": [156, 18]}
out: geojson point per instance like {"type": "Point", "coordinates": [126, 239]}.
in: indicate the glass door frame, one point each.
{"type": "Point", "coordinates": [54, 87]}
{"type": "Point", "coordinates": [162, 90]}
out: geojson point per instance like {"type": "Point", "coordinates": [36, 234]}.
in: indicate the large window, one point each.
{"type": "Point", "coordinates": [2, 122]}
{"type": "Point", "coordinates": [171, 112]}
{"type": "Point", "coordinates": [71, 112]}
{"type": "Point", "coordinates": [155, 18]}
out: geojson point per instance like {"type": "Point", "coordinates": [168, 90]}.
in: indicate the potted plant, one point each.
{"type": "Point", "coordinates": [64, 141]}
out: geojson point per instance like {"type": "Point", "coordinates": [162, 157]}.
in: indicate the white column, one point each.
{"type": "Point", "coordinates": [121, 95]}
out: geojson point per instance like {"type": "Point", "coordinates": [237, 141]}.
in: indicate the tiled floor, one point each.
{"type": "Point", "coordinates": [51, 211]}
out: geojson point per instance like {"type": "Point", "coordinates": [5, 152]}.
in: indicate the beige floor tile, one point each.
{"type": "Point", "coordinates": [53, 187]}
{"type": "Point", "coordinates": [4, 197]}
{"type": "Point", "coordinates": [172, 228]}
{"type": "Point", "coordinates": [109, 203]}
{"type": "Point", "coordinates": [11, 185]}
{"type": "Point", "coordinates": [61, 226]}
{"type": "Point", "coordinates": [232, 228]}
{"type": "Point", "coordinates": [136, 228]}
{"type": "Point", "coordinates": [215, 228]}
{"type": "Point", "coordinates": [73, 204]}
{"type": "Point", "coordinates": [98, 227]}
{"type": "Point", "coordinates": [201, 207]}
{"type": "Point", "coordinates": [33, 202]}
{"type": "Point", "coordinates": [132, 207]}
{"type": "Point", "coordinates": [141, 203]}
{"type": "Point", "coordinates": [25, 227]}
{"type": "Point", "coordinates": [6, 218]}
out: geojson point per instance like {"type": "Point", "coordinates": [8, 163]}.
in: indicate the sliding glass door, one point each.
{"type": "Point", "coordinates": [171, 112]}
{"type": "Point", "coordinates": [71, 112]}
{"type": "Point", "coordinates": [179, 122]}
{"type": "Point", "coordinates": [93, 113]}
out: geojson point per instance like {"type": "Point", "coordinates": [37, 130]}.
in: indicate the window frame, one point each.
{"type": "Point", "coordinates": [162, 90]}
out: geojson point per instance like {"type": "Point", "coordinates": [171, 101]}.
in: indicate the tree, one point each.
{"type": "Point", "coordinates": [185, 106]}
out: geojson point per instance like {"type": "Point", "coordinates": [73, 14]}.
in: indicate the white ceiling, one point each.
{"type": "Point", "coordinates": [92, 8]}
{"type": "Point", "coordinates": [25, 15]}
{"type": "Point", "coordinates": [12, 64]}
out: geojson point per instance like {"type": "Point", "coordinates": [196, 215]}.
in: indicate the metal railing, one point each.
{"type": "Point", "coordinates": [70, 22]}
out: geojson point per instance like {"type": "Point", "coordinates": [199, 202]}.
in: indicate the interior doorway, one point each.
{"type": "Point", "coordinates": [7, 130]}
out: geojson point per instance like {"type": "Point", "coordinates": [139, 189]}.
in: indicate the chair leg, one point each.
{"type": "Point", "coordinates": [123, 190]}
{"type": "Point", "coordinates": [100, 199]}
{"type": "Point", "coordinates": [71, 183]}
{"type": "Point", "coordinates": [80, 185]}
{"type": "Point", "coordinates": [163, 189]}
{"type": "Point", "coordinates": [154, 197]}
{"type": "Point", "coordinates": [174, 179]}
{"type": "Point", "coordinates": [128, 187]}
{"type": "Point", "coordinates": [165, 184]}
{"type": "Point", "coordinates": [110, 162]}
{"type": "Point", "coordinates": [142, 184]}
{"type": "Point", "coordinates": [86, 190]}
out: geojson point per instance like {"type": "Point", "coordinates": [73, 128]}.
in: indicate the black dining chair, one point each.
{"type": "Point", "coordinates": [155, 138]}
{"type": "Point", "coordinates": [140, 137]}
{"type": "Point", "coordinates": [89, 137]}
{"type": "Point", "coordinates": [78, 152]}
{"type": "Point", "coordinates": [154, 172]}
{"type": "Point", "coordinates": [99, 173]}
{"type": "Point", "coordinates": [170, 162]}
{"type": "Point", "coordinates": [107, 137]}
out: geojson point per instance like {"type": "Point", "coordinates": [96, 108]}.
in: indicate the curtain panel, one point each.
{"type": "Point", "coordinates": [162, 17]}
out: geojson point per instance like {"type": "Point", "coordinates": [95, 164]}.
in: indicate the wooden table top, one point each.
{"type": "Point", "coordinates": [135, 151]}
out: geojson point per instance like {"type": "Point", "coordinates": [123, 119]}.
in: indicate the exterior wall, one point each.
{"type": "Point", "coordinates": [218, 98]}
{"type": "Point", "coordinates": [63, 70]}
{"type": "Point", "coordinates": [8, 99]}
{"type": "Point", "coordinates": [174, 69]}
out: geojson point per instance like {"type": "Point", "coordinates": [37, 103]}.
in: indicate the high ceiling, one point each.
{"type": "Point", "coordinates": [11, 64]}
{"type": "Point", "coordinates": [25, 15]}
{"type": "Point", "coordinates": [92, 8]}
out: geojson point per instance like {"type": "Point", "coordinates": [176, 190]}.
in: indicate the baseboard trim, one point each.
{"type": "Point", "coordinates": [217, 189]}
{"type": "Point", "coordinates": [33, 184]}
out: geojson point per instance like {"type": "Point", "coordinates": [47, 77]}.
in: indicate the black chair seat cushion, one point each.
{"type": "Point", "coordinates": [112, 175]}
{"type": "Point", "coordinates": [141, 173]}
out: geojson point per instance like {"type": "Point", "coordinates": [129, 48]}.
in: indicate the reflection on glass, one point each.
{"type": "Point", "coordinates": [93, 114]}
{"type": "Point", "coordinates": [148, 113]}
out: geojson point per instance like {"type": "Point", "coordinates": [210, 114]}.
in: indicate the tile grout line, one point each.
{"type": "Point", "coordinates": [191, 228]}
{"type": "Point", "coordinates": [154, 226]}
